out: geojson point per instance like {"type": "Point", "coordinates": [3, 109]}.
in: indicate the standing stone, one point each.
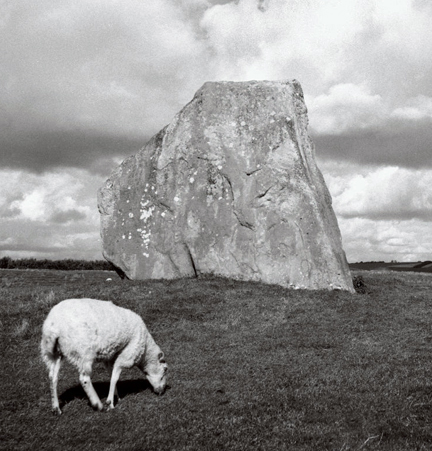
{"type": "Point", "coordinates": [230, 187]}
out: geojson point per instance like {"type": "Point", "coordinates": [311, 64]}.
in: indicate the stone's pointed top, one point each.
{"type": "Point", "coordinates": [243, 85]}
{"type": "Point", "coordinates": [230, 187]}
{"type": "Point", "coordinates": [259, 95]}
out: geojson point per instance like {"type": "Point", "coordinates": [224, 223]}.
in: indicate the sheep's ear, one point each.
{"type": "Point", "coordinates": [161, 356]}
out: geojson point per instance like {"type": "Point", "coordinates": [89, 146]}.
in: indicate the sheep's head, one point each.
{"type": "Point", "coordinates": [156, 370]}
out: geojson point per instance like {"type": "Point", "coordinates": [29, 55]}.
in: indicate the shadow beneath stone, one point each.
{"type": "Point", "coordinates": [124, 388]}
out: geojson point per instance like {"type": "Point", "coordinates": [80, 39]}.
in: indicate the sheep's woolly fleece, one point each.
{"type": "Point", "coordinates": [85, 330]}
{"type": "Point", "coordinates": [96, 330]}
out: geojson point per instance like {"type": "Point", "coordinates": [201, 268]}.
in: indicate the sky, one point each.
{"type": "Point", "coordinates": [86, 83]}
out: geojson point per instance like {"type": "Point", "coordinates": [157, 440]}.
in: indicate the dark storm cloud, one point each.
{"type": "Point", "coordinates": [83, 82]}
{"type": "Point", "coordinates": [39, 151]}
{"type": "Point", "coordinates": [406, 145]}
{"type": "Point", "coordinates": [62, 217]}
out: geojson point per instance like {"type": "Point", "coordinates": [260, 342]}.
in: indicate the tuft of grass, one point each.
{"type": "Point", "coordinates": [251, 366]}
{"type": "Point", "coordinates": [45, 299]}
{"type": "Point", "coordinates": [21, 329]}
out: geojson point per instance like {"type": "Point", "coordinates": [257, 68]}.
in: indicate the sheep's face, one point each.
{"type": "Point", "coordinates": [155, 372]}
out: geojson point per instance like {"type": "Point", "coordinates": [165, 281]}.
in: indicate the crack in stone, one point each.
{"type": "Point", "coordinates": [261, 195]}
{"type": "Point", "coordinates": [230, 185]}
{"type": "Point", "coordinates": [160, 204]}
{"type": "Point", "coordinates": [243, 222]}
{"type": "Point", "coordinates": [252, 172]}
{"type": "Point", "coordinates": [241, 264]}
{"type": "Point", "coordinates": [191, 259]}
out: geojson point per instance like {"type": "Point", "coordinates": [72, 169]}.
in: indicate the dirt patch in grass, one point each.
{"type": "Point", "coordinates": [251, 366]}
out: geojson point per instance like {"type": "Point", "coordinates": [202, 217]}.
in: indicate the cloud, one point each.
{"type": "Point", "coordinates": [367, 240]}
{"type": "Point", "coordinates": [346, 108]}
{"type": "Point", "coordinates": [351, 123]}
{"type": "Point", "coordinates": [66, 216]}
{"type": "Point", "coordinates": [42, 198]}
{"type": "Point", "coordinates": [364, 67]}
{"type": "Point", "coordinates": [83, 82]}
{"type": "Point", "coordinates": [50, 215]}
{"type": "Point", "coordinates": [396, 142]}
{"type": "Point", "coordinates": [415, 109]}
{"type": "Point", "coordinates": [109, 74]}
{"type": "Point", "coordinates": [281, 39]}
{"type": "Point", "coordinates": [322, 43]}
{"type": "Point", "coordinates": [383, 213]}
{"type": "Point", "coordinates": [32, 242]}
{"type": "Point", "coordinates": [386, 193]}
{"type": "Point", "coordinates": [42, 150]}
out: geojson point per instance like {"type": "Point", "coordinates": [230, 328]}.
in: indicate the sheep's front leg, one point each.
{"type": "Point", "coordinates": [113, 385]}
{"type": "Point", "coordinates": [53, 375]}
{"type": "Point", "coordinates": [90, 391]}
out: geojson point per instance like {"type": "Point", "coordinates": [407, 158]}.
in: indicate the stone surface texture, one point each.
{"type": "Point", "coordinates": [230, 187]}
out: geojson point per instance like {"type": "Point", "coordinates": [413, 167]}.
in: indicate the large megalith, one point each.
{"type": "Point", "coordinates": [230, 187]}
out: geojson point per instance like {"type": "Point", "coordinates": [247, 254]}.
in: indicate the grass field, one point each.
{"type": "Point", "coordinates": [251, 366]}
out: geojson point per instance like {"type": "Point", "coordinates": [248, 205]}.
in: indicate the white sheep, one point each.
{"type": "Point", "coordinates": [87, 330]}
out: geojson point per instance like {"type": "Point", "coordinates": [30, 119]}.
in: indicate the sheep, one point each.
{"type": "Point", "coordinates": [88, 330]}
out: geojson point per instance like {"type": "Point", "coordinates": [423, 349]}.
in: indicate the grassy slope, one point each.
{"type": "Point", "coordinates": [251, 366]}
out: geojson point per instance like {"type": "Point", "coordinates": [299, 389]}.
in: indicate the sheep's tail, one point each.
{"type": "Point", "coordinates": [50, 349]}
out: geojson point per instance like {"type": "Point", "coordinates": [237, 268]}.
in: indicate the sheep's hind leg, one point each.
{"type": "Point", "coordinates": [54, 368]}
{"type": "Point", "coordinates": [87, 385]}
{"type": "Point", "coordinates": [113, 385]}
{"type": "Point", "coordinates": [109, 367]}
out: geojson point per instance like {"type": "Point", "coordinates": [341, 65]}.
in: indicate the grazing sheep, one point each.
{"type": "Point", "coordinates": [88, 330]}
